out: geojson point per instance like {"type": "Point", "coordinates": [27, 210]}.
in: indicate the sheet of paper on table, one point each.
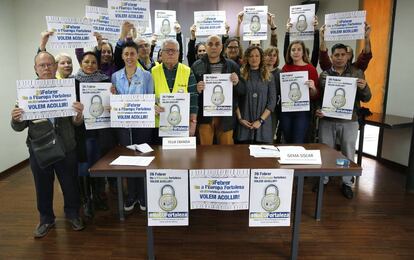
{"type": "Point", "coordinates": [133, 160]}
{"type": "Point", "coordinates": [143, 148]}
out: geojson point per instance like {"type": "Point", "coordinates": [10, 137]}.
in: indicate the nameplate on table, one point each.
{"type": "Point", "coordinates": [300, 157]}
{"type": "Point", "coordinates": [170, 143]}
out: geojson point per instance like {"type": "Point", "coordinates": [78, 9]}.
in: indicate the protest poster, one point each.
{"type": "Point", "coordinates": [175, 120]}
{"type": "Point", "coordinates": [255, 23]}
{"type": "Point", "coordinates": [70, 33]}
{"type": "Point", "coordinates": [167, 193]}
{"type": "Point", "coordinates": [130, 10]}
{"type": "Point", "coordinates": [164, 23]}
{"type": "Point", "coordinates": [133, 111]}
{"type": "Point", "coordinates": [96, 107]}
{"type": "Point", "coordinates": [294, 92]}
{"type": "Point", "coordinates": [345, 26]}
{"type": "Point", "coordinates": [301, 17]}
{"type": "Point", "coordinates": [218, 95]}
{"type": "Point", "coordinates": [270, 197]}
{"type": "Point", "coordinates": [339, 97]}
{"type": "Point", "coordinates": [46, 98]}
{"type": "Point", "coordinates": [219, 189]}
{"type": "Point", "coordinates": [99, 18]}
{"type": "Point", "coordinates": [210, 22]}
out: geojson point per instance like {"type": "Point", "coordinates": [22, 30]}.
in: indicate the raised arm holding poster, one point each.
{"type": "Point", "coordinates": [210, 22]}
{"type": "Point", "coordinates": [345, 26]}
{"type": "Point", "coordinates": [95, 99]}
{"type": "Point", "coordinates": [70, 33]}
{"type": "Point", "coordinates": [294, 91]}
{"type": "Point", "coordinates": [167, 193]}
{"type": "Point", "coordinates": [99, 18]}
{"type": "Point", "coordinates": [255, 23]}
{"type": "Point", "coordinates": [175, 120]}
{"type": "Point", "coordinates": [301, 16]}
{"type": "Point", "coordinates": [164, 23]}
{"type": "Point", "coordinates": [47, 98]}
{"type": "Point", "coordinates": [136, 111]}
{"type": "Point", "coordinates": [339, 97]}
{"type": "Point", "coordinates": [220, 189]}
{"type": "Point", "coordinates": [270, 197]}
{"type": "Point", "coordinates": [218, 95]}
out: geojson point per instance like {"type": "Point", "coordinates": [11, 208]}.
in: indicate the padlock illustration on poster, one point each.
{"type": "Point", "coordinates": [174, 117]}
{"type": "Point", "coordinates": [294, 92]}
{"type": "Point", "coordinates": [255, 23]}
{"type": "Point", "coordinates": [271, 200]}
{"type": "Point", "coordinates": [338, 100]}
{"type": "Point", "coordinates": [96, 108]}
{"type": "Point", "coordinates": [301, 23]}
{"type": "Point", "coordinates": [165, 27]}
{"type": "Point", "coordinates": [167, 201]}
{"type": "Point", "coordinates": [217, 98]}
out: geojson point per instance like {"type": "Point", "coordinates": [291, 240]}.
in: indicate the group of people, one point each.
{"type": "Point", "coordinates": [257, 117]}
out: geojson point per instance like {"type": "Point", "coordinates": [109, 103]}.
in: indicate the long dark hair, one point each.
{"type": "Point", "coordinates": [305, 56]}
{"type": "Point", "coordinates": [245, 70]}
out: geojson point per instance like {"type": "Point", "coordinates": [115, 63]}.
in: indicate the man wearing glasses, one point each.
{"type": "Point", "coordinates": [174, 77]}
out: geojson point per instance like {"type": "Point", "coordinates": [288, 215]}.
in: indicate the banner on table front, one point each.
{"type": "Point", "coordinates": [175, 120]}
{"type": "Point", "coordinates": [220, 189]}
{"type": "Point", "coordinates": [339, 97]}
{"type": "Point", "coordinates": [270, 197]}
{"type": "Point", "coordinates": [167, 193]}
{"type": "Point", "coordinates": [70, 32]}
{"type": "Point", "coordinates": [96, 107]}
{"type": "Point", "coordinates": [46, 98]}
{"type": "Point", "coordinates": [255, 23]}
{"type": "Point", "coordinates": [345, 26]}
{"type": "Point", "coordinates": [294, 91]}
{"type": "Point", "coordinates": [133, 111]}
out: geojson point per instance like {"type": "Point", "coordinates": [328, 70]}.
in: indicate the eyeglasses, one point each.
{"type": "Point", "coordinates": [45, 65]}
{"type": "Point", "coordinates": [232, 47]}
{"type": "Point", "coordinates": [170, 51]}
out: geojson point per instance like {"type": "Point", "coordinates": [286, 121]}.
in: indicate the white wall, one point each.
{"type": "Point", "coordinates": [21, 23]}
{"type": "Point", "coordinates": [400, 91]}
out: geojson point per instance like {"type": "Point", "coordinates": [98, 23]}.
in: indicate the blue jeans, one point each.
{"type": "Point", "coordinates": [295, 126]}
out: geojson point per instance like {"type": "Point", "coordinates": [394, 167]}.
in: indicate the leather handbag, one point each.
{"type": "Point", "coordinates": [48, 148]}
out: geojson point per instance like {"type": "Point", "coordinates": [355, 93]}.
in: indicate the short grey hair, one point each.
{"type": "Point", "coordinates": [140, 38]}
{"type": "Point", "coordinates": [62, 55]}
{"type": "Point", "coordinates": [211, 37]}
{"type": "Point", "coordinates": [173, 41]}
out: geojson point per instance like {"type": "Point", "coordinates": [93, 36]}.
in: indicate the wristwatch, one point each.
{"type": "Point", "coordinates": [261, 120]}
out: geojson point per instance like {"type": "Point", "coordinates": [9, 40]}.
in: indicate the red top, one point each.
{"type": "Point", "coordinates": [312, 74]}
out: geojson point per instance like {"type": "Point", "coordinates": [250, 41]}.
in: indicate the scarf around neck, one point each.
{"type": "Point", "coordinates": [94, 77]}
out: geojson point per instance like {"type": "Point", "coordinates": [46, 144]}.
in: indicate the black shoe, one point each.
{"type": "Point", "coordinates": [347, 191]}
{"type": "Point", "coordinates": [77, 224]}
{"type": "Point", "coordinates": [130, 205]}
{"type": "Point", "coordinates": [142, 205]}
{"type": "Point", "coordinates": [87, 209]}
{"type": "Point", "coordinates": [42, 229]}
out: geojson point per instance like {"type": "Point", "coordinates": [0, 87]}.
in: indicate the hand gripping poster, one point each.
{"type": "Point", "coordinates": [167, 193]}
{"type": "Point", "coordinates": [46, 98]}
{"type": "Point", "coordinates": [339, 97]}
{"type": "Point", "coordinates": [270, 197]}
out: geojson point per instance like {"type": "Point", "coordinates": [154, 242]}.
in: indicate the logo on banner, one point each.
{"type": "Point", "coordinates": [294, 92]}
{"type": "Point", "coordinates": [167, 201]}
{"type": "Point", "coordinates": [255, 24]}
{"type": "Point", "coordinates": [339, 100]}
{"type": "Point", "coordinates": [217, 98]}
{"type": "Point", "coordinates": [165, 27]}
{"type": "Point", "coordinates": [96, 108]}
{"type": "Point", "coordinates": [174, 117]}
{"type": "Point", "coordinates": [301, 24]}
{"type": "Point", "coordinates": [271, 200]}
